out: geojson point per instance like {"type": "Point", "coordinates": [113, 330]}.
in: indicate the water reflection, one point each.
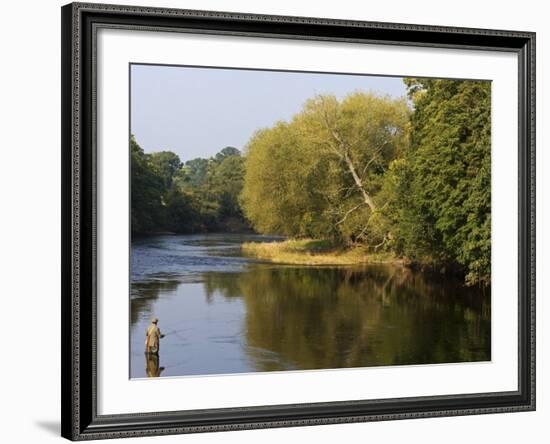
{"type": "Point", "coordinates": [152, 365]}
{"type": "Point", "coordinates": [144, 294]}
{"type": "Point", "coordinates": [315, 318]}
{"type": "Point", "coordinates": [268, 317]}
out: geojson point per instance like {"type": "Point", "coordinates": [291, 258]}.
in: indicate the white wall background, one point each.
{"type": "Point", "coordinates": [30, 220]}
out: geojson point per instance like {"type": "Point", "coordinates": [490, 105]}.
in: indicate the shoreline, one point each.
{"type": "Point", "coordinates": [315, 252]}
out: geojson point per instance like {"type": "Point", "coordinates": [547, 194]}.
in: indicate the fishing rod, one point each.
{"type": "Point", "coordinates": [172, 332]}
{"type": "Point", "coordinates": [177, 333]}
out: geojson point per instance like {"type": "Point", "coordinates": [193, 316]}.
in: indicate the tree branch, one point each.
{"type": "Point", "coordinates": [341, 221]}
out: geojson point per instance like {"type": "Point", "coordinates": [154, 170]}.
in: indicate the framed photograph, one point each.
{"type": "Point", "coordinates": [276, 221]}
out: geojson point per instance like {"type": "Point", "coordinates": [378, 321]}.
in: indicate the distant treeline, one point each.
{"type": "Point", "coordinates": [407, 176]}
{"type": "Point", "coordinates": [200, 195]}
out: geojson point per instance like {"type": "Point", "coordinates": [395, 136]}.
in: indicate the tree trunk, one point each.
{"type": "Point", "coordinates": [358, 182]}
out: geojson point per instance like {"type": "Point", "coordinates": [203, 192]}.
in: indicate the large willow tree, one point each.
{"type": "Point", "coordinates": [320, 175]}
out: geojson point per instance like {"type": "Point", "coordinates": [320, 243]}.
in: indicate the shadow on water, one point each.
{"type": "Point", "coordinates": [266, 317]}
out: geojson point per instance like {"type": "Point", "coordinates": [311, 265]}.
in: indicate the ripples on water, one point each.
{"type": "Point", "coordinates": [225, 313]}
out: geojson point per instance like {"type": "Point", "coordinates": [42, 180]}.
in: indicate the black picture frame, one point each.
{"type": "Point", "coordinates": [80, 420]}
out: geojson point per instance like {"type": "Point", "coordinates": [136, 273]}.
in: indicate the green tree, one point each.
{"type": "Point", "coordinates": [147, 184]}
{"type": "Point", "coordinates": [193, 173]}
{"type": "Point", "coordinates": [211, 186]}
{"type": "Point", "coordinates": [228, 151]}
{"type": "Point", "coordinates": [167, 164]}
{"type": "Point", "coordinates": [227, 183]}
{"type": "Point", "coordinates": [320, 174]}
{"type": "Point", "coordinates": [183, 212]}
{"type": "Point", "coordinates": [275, 197]}
{"type": "Point", "coordinates": [442, 201]}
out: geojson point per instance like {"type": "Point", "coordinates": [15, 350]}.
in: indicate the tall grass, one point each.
{"type": "Point", "coordinates": [313, 252]}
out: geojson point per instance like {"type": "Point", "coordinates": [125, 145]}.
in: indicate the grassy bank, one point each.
{"type": "Point", "coordinates": [314, 252]}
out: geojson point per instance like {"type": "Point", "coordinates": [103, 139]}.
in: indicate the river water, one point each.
{"type": "Point", "coordinates": [224, 313]}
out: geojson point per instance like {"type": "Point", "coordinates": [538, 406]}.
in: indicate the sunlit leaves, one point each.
{"type": "Point", "coordinates": [319, 174]}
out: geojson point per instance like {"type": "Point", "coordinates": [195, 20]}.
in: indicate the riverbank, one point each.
{"type": "Point", "coordinates": [315, 252]}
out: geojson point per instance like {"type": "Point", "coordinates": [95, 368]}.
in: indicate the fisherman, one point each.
{"type": "Point", "coordinates": [153, 335]}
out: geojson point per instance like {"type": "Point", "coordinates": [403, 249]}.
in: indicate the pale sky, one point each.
{"type": "Point", "coordinates": [195, 112]}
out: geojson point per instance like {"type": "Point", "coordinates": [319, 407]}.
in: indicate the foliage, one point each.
{"type": "Point", "coordinates": [441, 201]}
{"type": "Point", "coordinates": [147, 190]}
{"type": "Point", "coordinates": [200, 195]}
{"type": "Point", "coordinates": [319, 175]}
{"type": "Point", "coordinates": [193, 173]}
{"type": "Point", "coordinates": [167, 164]}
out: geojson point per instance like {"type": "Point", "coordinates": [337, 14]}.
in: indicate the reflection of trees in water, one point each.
{"type": "Point", "coordinates": [226, 284]}
{"type": "Point", "coordinates": [144, 294]}
{"type": "Point", "coordinates": [330, 318]}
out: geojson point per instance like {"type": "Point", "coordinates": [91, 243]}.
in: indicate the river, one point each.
{"type": "Point", "coordinates": [225, 313]}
